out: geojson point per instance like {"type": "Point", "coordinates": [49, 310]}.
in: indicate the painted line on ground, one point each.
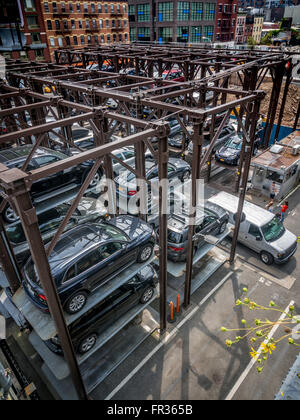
{"type": "Point", "coordinates": [166, 339]}
{"type": "Point", "coordinates": [253, 361]}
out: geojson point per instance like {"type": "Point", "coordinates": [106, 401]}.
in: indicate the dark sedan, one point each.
{"type": "Point", "coordinates": [230, 153]}
{"type": "Point", "coordinates": [51, 186]}
{"type": "Point", "coordinates": [85, 331]}
{"type": "Point", "coordinates": [88, 256]}
{"type": "Point", "coordinates": [212, 220]}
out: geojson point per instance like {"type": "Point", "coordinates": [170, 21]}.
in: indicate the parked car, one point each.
{"type": "Point", "coordinates": [89, 210]}
{"type": "Point", "coordinates": [218, 119]}
{"type": "Point", "coordinates": [82, 137]}
{"type": "Point", "coordinates": [126, 181]}
{"type": "Point", "coordinates": [89, 256]}
{"type": "Point", "coordinates": [211, 220]}
{"type": "Point", "coordinates": [175, 131]}
{"type": "Point", "coordinates": [230, 153]}
{"type": "Point", "coordinates": [174, 75]}
{"type": "Point", "coordinates": [85, 331]}
{"type": "Point", "coordinates": [132, 72]}
{"type": "Point", "coordinates": [225, 134]}
{"type": "Point", "coordinates": [260, 230]}
{"type": "Point", "coordinates": [49, 187]}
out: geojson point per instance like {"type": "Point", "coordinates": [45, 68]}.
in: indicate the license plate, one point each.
{"type": "Point", "coordinates": [222, 160]}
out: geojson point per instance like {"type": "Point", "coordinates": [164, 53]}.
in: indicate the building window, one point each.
{"type": "Point", "coordinates": [57, 24]}
{"type": "Point", "coordinates": [143, 34]}
{"type": "Point", "coordinates": [131, 13]}
{"type": "Point", "coordinates": [108, 39]}
{"type": "Point", "coordinates": [75, 40]}
{"type": "Point", "coordinates": [106, 8]}
{"type": "Point", "coordinates": [197, 11]}
{"type": "Point", "coordinates": [210, 11]}
{"type": "Point", "coordinates": [78, 7]}
{"type": "Point", "coordinates": [49, 25]}
{"type": "Point", "coordinates": [196, 34]}
{"type": "Point", "coordinates": [29, 5]}
{"type": "Point", "coordinates": [71, 8]}
{"type": "Point", "coordinates": [54, 7]}
{"type": "Point", "coordinates": [60, 42]}
{"type": "Point", "coordinates": [182, 34]}
{"type": "Point", "coordinates": [99, 8]}
{"type": "Point", "coordinates": [52, 42]}
{"type": "Point", "coordinates": [165, 12]}
{"type": "Point", "coordinates": [93, 8]}
{"type": "Point", "coordinates": [46, 7]}
{"type": "Point", "coordinates": [63, 7]}
{"type": "Point", "coordinates": [124, 8]}
{"type": "Point", "coordinates": [165, 34]}
{"type": "Point", "coordinates": [32, 22]}
{"type": "Point", "coordinates": [107, 23]}
{"type": "Point", "coordinates": [208, 33]}
{"type": "Point", "coordinates": [102, 39]}
{"type": "Point", "coordinates": [36, 38]}
{"type": "Point", "coordinates": [82, 40]}
{"type": "Point", "coordinates": [73, 24]}
{"type": "Point", "coordinates": [125, 23]}
{"type": "Point", "coordinates": [85, 8]}
{"type": "Point", "coordinates": [101, 23]}
{"type": "Point", "coordinates": [143, 12]}
{"type": "Point", "coordinates": [183, 11]}
{"type": "Point", "coordinates": [132, 34]}
{"type": "Point", "coordinates": [112, 8]}
{"type": "Point", "coordinates": [120, 37]}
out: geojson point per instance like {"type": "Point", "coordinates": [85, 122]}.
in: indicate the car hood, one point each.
{"type": "Point", "coordinates": [227, 152]}
{"type": "Point", "coordinates": [132, 226]}
{"type": "Point", "coordinates": [179, 163]}
{"type": "Point", "coordinates": [285, 242]}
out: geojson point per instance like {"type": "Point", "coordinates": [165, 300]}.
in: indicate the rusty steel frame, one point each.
{"type": "Point", "coordinates": [62, 80]}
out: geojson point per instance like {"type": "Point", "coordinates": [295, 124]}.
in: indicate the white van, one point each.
{"type": "Point", "coordinates": [260, 230]}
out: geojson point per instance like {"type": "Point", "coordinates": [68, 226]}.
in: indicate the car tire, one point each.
{"type": "Point", "coordinates": [9, 215]}
{"type": "Point", "coordinates": [222, 228]}
{"type": "Point", "coordinates": [266, 258]}
{"type": "Point", "coordinates": [147, 295]}
{"type": "Point", "coordinates": [76, 302]}
{"type": "Point", "coordinates": [87, 343]}
{"type": "Point", "coordinates": [145, 253]}
{"type": "Point", "coordinates": [97, 178]}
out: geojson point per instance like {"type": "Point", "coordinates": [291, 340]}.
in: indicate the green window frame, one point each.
{"type": "Point", "coordinates": [182, 33]}
{"type": "Point", "coordinates": [183, 11]}
{"type": "Point", "coordinates": [143, 34]}
{"type": "Point", "coordinates": [208, 32]}
{"type": "Point", "coordinates": [197, 11]}
{"type": "Point", "coordinates": [165, 12]}
{"type": "Point", "coordinates": [132, 34]}
{"type": "Point", "coordinates": [196, 34]}
{"type": "Point", "coordinates": [209, 11]}
{"type": "Point", "coordinates": [165, 34]}
{"type": "Point", "coordinates": [143, 12]}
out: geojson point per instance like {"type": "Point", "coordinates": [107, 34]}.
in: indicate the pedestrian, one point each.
{"type": "Point", "coordinates": [273, 191]}
{"type": "Point", "coordinates": [5, 382]}
{"type": "Point", "coordinates": [284, 209]}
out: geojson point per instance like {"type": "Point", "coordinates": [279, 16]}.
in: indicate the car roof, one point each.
{"type": "Point", "coordinates": [254, 214]}
{"type": "Point", "coordinates": [19, 153]}
{"type": "Point", "coordinates": [76, 241]}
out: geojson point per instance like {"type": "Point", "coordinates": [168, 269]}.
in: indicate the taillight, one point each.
{"type": "Point", "coordinates": [131, 193]}
{"type": "Point", "coordinates": [42, 297]}
{"type": "Point", "coordinates": [175, 249]}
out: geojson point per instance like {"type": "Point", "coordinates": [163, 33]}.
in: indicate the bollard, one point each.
{"type": "Point", "coordinates": [172, 316]}
{"type": "Point", "coordinates": [178, 307]}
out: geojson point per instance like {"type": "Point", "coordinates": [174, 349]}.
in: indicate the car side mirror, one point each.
{"type": "Point", "coordinates": [259, 238]}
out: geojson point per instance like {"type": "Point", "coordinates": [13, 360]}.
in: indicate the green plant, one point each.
{"type": "Point", "coordinates": [258, 331]}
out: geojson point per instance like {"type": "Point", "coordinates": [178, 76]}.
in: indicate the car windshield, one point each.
{"type": "Point", "coordinates": [273, 230]}
{"type": "Point", "coordinates": [235, 144]}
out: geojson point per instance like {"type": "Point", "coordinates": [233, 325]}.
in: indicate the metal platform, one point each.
{"type": "Point", "coordinates": [43, 324]}
{"type": "Point", "coordinates": [58, 365]}
{"type": "Point", "coordinates": [177, 269]}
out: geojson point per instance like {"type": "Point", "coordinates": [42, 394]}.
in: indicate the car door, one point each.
{"type": "Point", "coordinates": [254, 237]}
{"type": "Point", "coordinates": [51, 182]}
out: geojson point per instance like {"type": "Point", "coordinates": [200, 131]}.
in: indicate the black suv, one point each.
{"type": "Point", "coordinates": [88, 256]}
{"type": "Point", "coordinates": [85, 331]}
{"type": "Point", "coordinates": [212, 220]}
{"type": "Point", "coordinates": [49, 187]}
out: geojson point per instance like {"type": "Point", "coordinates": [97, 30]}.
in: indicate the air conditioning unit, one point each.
{"type": "Point", "coordinates": [296, 150]}
{"type": "Point", "coordinates": [276, 149]}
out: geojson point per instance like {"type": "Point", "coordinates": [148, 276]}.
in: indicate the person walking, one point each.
{"type": "Point", "coordinates": [284, 209]}
{"type": "Point", "coordinates": [5, 382]}
{"type": "Point", "coordinates": [273, 193]}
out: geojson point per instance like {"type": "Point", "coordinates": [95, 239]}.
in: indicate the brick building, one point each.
{"type": "Point", "coordinates": [172, 21]}
{"type": "Point", "coordinates": [83, 23]}
{"type": "Point", "coordinates": [22, 30]}
{"type": "Point", "coordinates": [226, 18]}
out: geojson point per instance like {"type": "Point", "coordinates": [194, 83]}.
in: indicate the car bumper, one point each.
{"type": "Point", "coordinates": [227, 161]}
{"type": "Point", "coordinates": [176, 256]}
{"type": "Point", "coordinates": [34, 300]}
{"type": "Point", "coordinates": [287, 258]}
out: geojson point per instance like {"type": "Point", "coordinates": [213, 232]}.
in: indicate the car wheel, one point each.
{"type": "Point", "coordinates": [9, 215]}
{"type": "Point", "coordinates": [87, 343]}
{"type": "Point", "coordinates": [147, 295]}
{"type": "Point", "coordinates": [76, 303]}
{"type": "Point", "coordinates": [222, 228]}
{"type": "Point", "coordinates": [145, 253]}
{"type": "Point", "coordinates": [267, 258]}
{"type": "Point", "coordinates": [95, 181]}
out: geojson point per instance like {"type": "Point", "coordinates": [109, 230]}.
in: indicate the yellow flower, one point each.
{"type": "Point", "coordinates": [253, 353]}
{"type": "Point", "coordinates": [268, 348]}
